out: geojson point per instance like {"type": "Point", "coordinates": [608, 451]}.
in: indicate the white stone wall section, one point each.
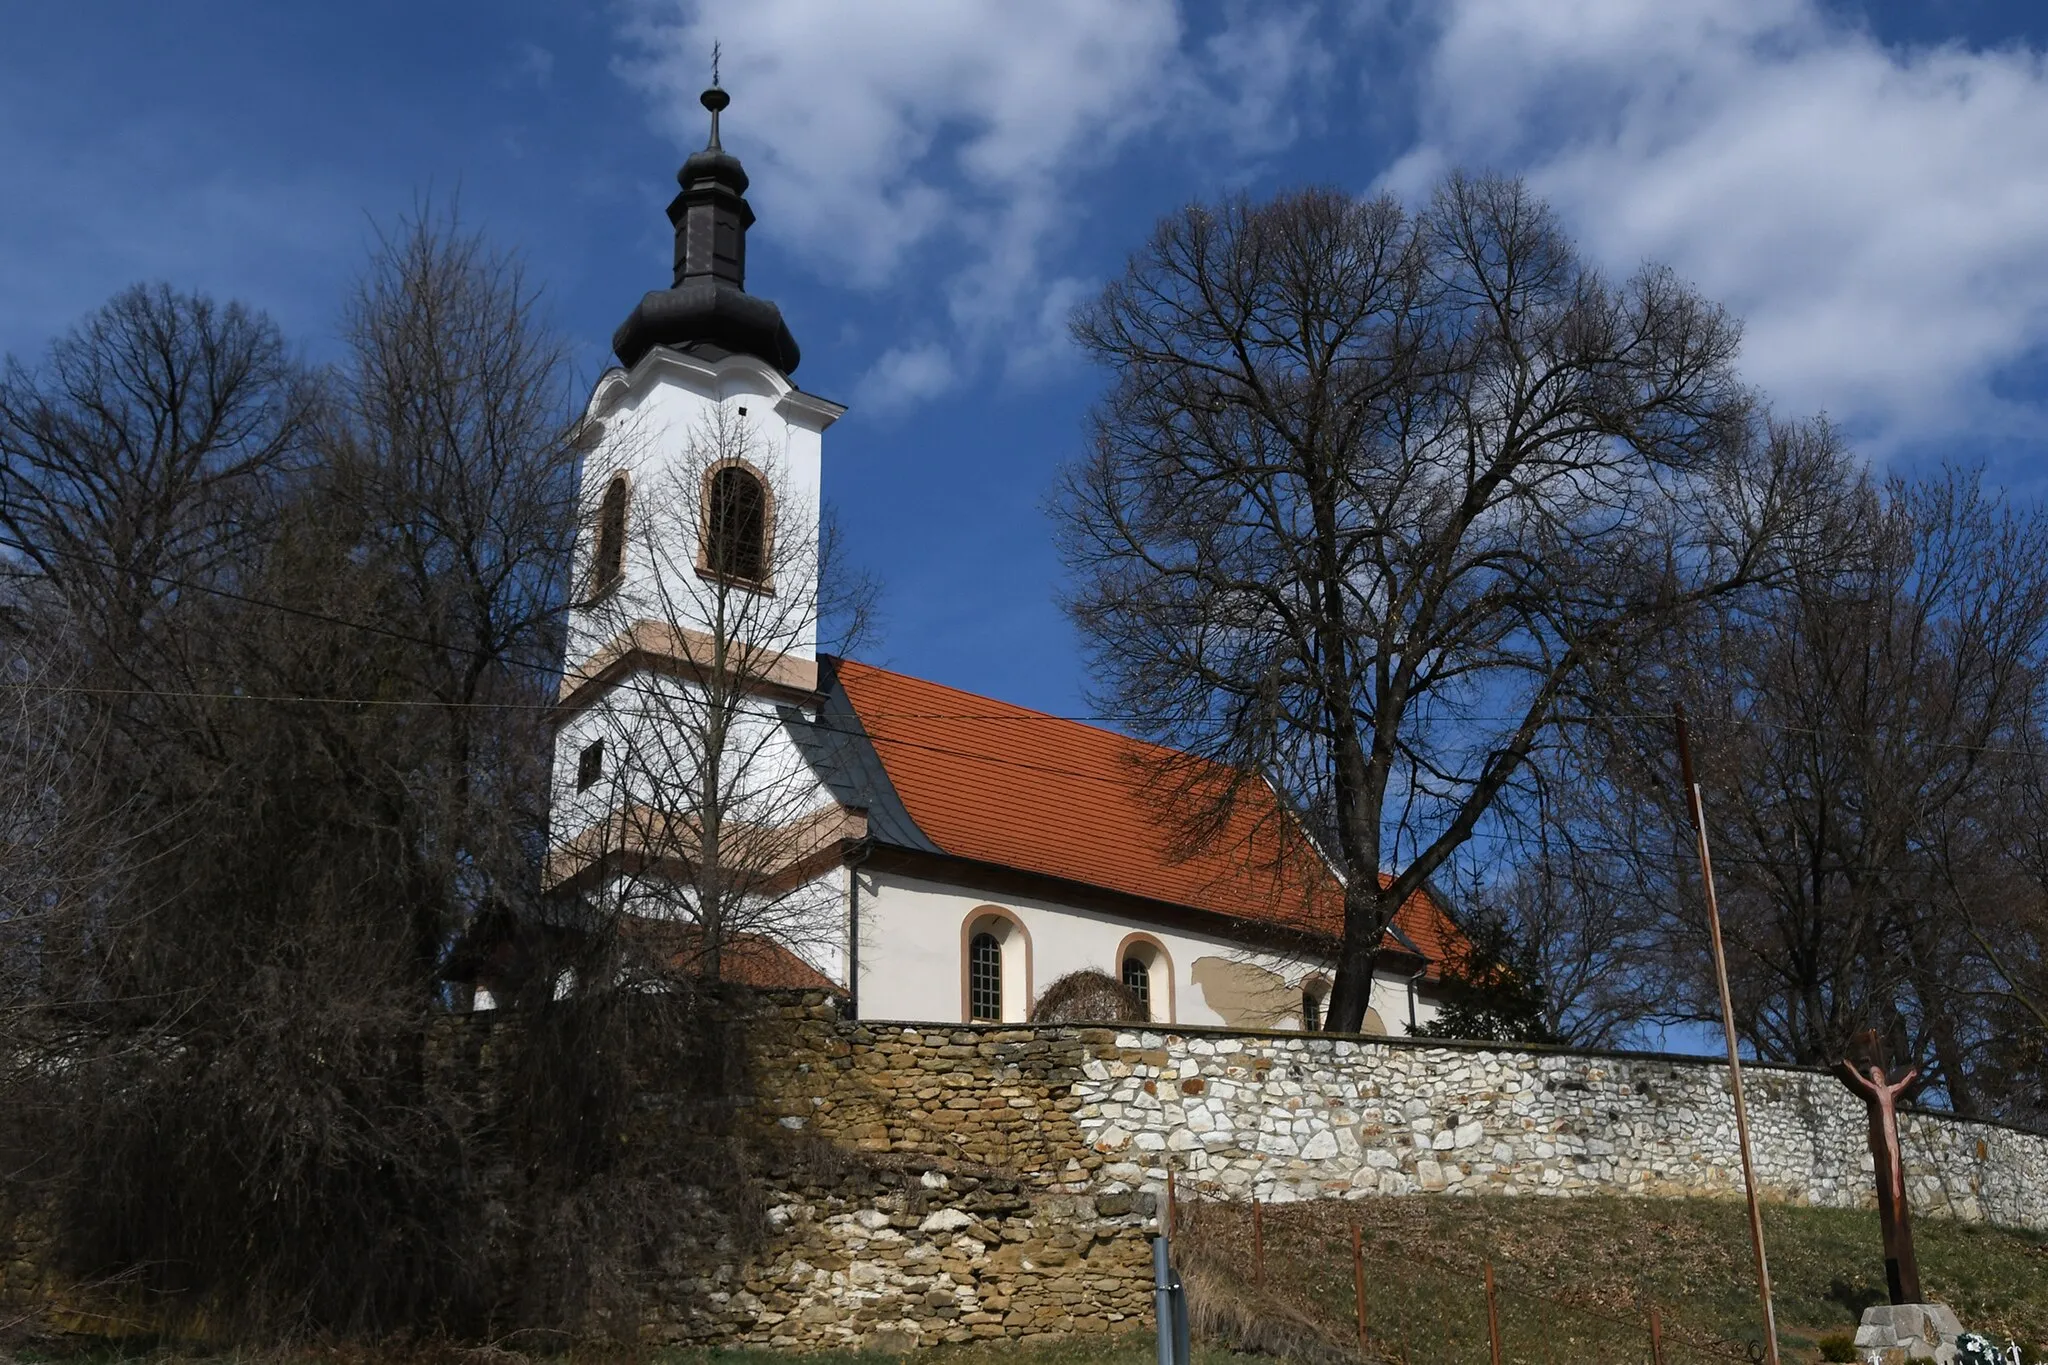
{"type": "Point", "coordinates": [1297, 1118]}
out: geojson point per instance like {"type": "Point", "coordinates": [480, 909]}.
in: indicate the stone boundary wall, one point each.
{"type": "Point", "coordinates": [926, 1183]}
{"type": "Point", "coordinates": [1281, 1118]}
{"type": "Point", "coordinates": [1031, 1155]}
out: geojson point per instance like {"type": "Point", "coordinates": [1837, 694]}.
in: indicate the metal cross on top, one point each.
{"type": "Point", "coordinates": [1866, 1078]}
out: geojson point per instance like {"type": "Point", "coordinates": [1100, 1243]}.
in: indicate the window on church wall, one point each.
{"type": "Point", "coordinates": [608, 563]}
{"type": "Point", "coordinates": [1138, 980]}
{"type": "Point", "coordinates": [995, 967]}
{"type": "Point", "coordinates": [736, 524]}
{"type": "Point", "coordinates": [985, 978]}
{"type": "Point", "coordinates": [1313, 994]}
{"type": "Point", "coordinates": [590, 765]}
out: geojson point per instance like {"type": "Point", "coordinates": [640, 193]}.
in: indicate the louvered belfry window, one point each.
{"type": "Point", "coordinates": [736, 525]}
{"type": "Point", "coordinates": [985, 978]}
{"type": "Point", "coordinates": [1138, 979]}
{"type": "Point", "coordinates": [609, 563]}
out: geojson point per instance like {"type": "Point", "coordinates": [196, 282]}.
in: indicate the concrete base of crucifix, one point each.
{"type": "Point", "coordinates": [1894, 1333]}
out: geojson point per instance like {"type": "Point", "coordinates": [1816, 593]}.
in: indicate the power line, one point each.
{"type": "Point", "coordinates": [1009, 716]}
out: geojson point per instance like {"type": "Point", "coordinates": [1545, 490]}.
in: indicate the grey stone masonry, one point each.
{"type": "Point", "coordinates": [1894, 1333]}
{"type": "Point", "coordinates": [1284, 1118]}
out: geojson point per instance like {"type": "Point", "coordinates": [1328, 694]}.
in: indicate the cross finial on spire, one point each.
{"type": "Point", "coordinates": [714, 99]}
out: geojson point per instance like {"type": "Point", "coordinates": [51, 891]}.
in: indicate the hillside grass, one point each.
{"type": "Point", "coordinates": [1575, 1278]}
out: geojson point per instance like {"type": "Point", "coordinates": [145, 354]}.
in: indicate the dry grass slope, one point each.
{"type": "Point", "coordinates": [1576, 1278]}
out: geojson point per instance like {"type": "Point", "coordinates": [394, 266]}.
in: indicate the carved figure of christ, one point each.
{"type": "Point", "coordinates": [1881, 1097]}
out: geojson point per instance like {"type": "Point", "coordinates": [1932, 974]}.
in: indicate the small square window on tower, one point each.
{"type": "Point", "coordinates": [590, 765]}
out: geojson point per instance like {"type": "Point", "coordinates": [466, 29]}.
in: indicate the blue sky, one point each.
{"type": "Point", "coordinates": [938, 181]}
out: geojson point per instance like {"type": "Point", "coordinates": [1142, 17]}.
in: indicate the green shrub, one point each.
{"type": "Point", "coordinates": [1838, 1346]}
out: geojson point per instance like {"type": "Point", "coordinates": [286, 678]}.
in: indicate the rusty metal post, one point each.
{"type": "Point", "coordinates": [1656, 1337]}
{"type": "Point", "coordinates": [1492, 1317]}
{"type": "Point", "coordinates": [1258, 1241]}
{"type": "Point", "coordinates": [1358, 1282]}
{"type": "Point", "coordinates": [1756, 1218]}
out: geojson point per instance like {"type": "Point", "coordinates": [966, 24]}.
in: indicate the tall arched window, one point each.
{"type": "Point", "coordinates": [985, 978]}
{"type": "Point", "coordinates": [608, 564]}
{"type": "Point", "coordinates": [736, 524]}
{"type": "Point", "coordinates": [995, 967]}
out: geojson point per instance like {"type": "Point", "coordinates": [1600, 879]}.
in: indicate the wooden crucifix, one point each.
{"type": "Point", "coordinates": [1865, 1077]}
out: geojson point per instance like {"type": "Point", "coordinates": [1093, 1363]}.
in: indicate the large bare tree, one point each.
{"type": "Point", "coordinates": [1868, 741]}
{"type": "Point", "coordinates": [305, 622]}
{"type": "Point", "coordinates": [1375, 496]}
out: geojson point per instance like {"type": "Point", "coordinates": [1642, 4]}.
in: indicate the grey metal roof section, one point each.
{"type": "Point", "coordinates": [1406, 942]}
{"type": "Point", "coordinates": [838, 748]}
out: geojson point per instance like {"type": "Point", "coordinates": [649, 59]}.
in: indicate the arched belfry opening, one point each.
{"type": "Point", "coordinates": [737, 524]}
{"type": "Point", "coordinates": [608, 559]}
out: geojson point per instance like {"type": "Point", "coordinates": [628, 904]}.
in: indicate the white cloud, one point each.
{"type": "Point", "coordinates": [532, 63]}
{"type": "Point", "coordinates": [905, 375]}
{"type": "Point", "coordinates": [885, 136]}
{"type": "Point", "coordinates": [1878, 215]}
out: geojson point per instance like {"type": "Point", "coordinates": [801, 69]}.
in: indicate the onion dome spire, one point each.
{"type": "Point", "coordinates": [706, 305]}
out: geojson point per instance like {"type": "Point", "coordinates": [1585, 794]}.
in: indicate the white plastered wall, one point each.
{"type": "Point", "coordinates": [646, 422]}
{"type": "Point", "coordinates": [913, 965]}
{"type": "Point", "coordinates": [652, 424]}
{"type": "Point", "coordinates": [774, 785]}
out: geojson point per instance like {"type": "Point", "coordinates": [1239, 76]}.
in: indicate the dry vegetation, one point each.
{"type": "Point", "coordinates": [1576, 1278]}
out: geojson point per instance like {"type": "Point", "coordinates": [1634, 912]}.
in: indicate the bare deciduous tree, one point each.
{"type": "Point", "coordinates": [1867, 739]}
{"type": "Point", "coordinates": [1375, 496]}
{"type": "Point", "coordinates": [313, 628]}
{"type": "Point", "coordinates": [449, 461]}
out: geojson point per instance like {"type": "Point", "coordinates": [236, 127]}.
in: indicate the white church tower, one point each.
{"type": "Point", "coordinates": [679, 803]}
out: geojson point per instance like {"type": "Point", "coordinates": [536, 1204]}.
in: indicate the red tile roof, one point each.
{"type": "Point", "coordinates": [1017, 788]}
{"type": "Point", "coordinates": [750, 959]}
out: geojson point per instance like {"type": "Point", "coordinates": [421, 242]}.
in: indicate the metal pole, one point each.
{"type": "Point", "coordinates": [1258, 1242]}
{"type": "Point", "coordinates": [1162, 1300]}
{"type": "Point", "coordinates": [1656, 1337]}
{"type": "Point", "coordinates": [1756, 1218]}
{"type": "Point", "coordinates": [1172, 1207]}
{"type": "Point", "coordinates": [1492, 1317]}
{"type": "Point", "coordinates": [1358, 1284]}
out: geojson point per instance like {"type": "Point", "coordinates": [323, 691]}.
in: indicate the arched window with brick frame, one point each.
{"type": "Point", "coordinates": [738, 527]}
{"type": "Point", "coordinates": [1144, 967]}
{"type": "Point", "coordinates": [995, 967]}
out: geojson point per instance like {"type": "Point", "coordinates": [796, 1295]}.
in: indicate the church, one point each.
{"type": "Point", "coordinates": [790, 817]}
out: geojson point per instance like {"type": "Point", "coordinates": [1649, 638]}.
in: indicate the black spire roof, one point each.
{"type": "Point", "coordinates": [708, 305]}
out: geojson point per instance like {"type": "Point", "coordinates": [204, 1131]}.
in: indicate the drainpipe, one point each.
{"type": "Point", "coordinates": [1419, 973]}
{"type": "Point", "coordinates": [855, 856]}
